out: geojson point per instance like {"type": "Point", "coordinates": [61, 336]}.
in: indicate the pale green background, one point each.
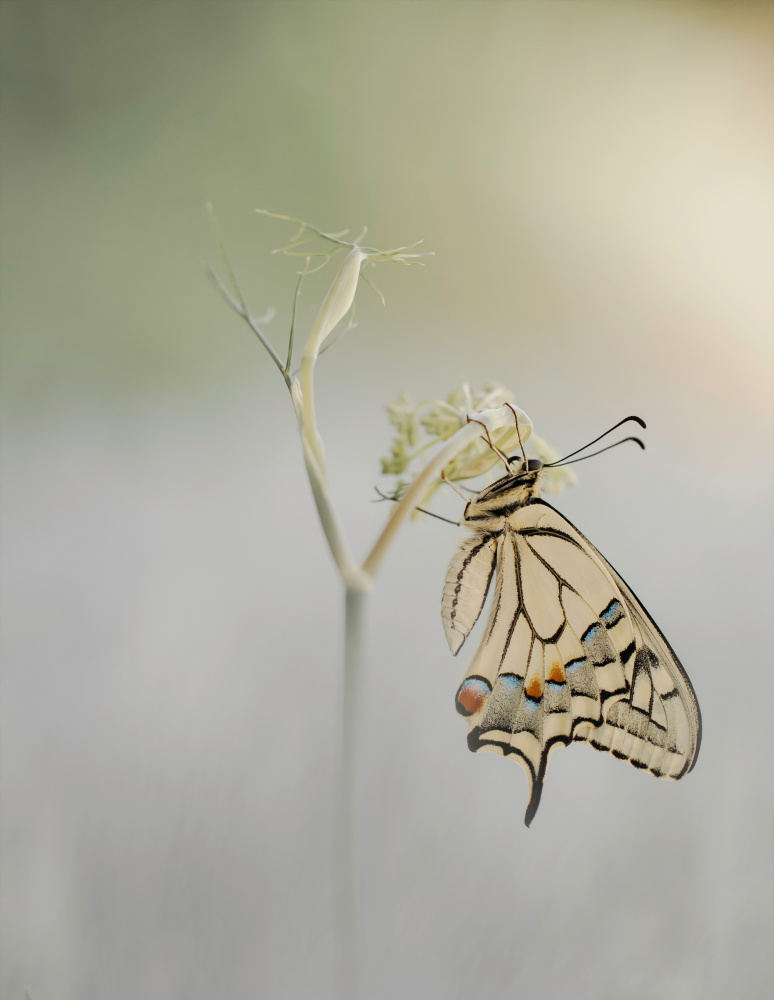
{"type": "Point", "coordinates": [595, 179]}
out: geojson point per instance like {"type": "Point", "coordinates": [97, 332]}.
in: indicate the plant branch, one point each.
{"type": "Point", "coordinates": [241, 310]}
{"type": "Point", "coordinates": [432, 471]}
{"type": "Point", "coordinates": [286, 369]}
{"type": "Point", "coordinates": [238, 304]}
{"type": "Point", "coordinates": [334, 308]}
{"type": "Point", "coordinates": [351, 574]}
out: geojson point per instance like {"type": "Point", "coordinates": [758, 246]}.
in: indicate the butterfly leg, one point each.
{"type": "Point", "coordinates": [457, 491]}
{"type": "Point", "coordinates": [518, 432]}
{"type": "Point", "coordinates": [503, 458]}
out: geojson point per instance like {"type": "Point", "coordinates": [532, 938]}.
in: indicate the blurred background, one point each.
{"type": "Point", "coordinates": [595, 181]}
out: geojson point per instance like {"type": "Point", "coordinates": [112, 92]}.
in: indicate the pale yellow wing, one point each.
{"type": "Point", "coordinates": [466, 586]}
{"type": "Point", "coordinates": [569, 653]}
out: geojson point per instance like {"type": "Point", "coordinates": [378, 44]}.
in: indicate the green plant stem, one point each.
{"type": "Point", "coordinates": [309, 429]}
{"type": "Point", "coordinates": [349, 571]}
{"type": "Point", "coordinates": [357, 580]}
{"type": "Point", "coordinates": [348, 880]}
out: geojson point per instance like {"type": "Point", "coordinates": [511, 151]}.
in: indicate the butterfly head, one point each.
{"type": "Point", "coordinates": [521, 468]}
{"type": "Point", "coordinates": [487, 510]}
{"type": "Point", "coordinates": [526, 478]}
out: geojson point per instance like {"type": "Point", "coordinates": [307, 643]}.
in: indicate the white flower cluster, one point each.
{"type": "Point", "coordinates": [419, 426]}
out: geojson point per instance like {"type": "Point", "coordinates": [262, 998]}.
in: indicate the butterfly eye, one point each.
{"type": "Point", "coordinates": [518, 465]}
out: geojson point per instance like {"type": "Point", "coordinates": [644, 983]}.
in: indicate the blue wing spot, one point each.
{"type": "Point", "coordinates": [575, 664]}
{"type": "Point", "coordinates": [591, 633]}
{"type": "Point", "coordinates": [612, 614]}
{"type": "Point", "coordinates": [556, 685]}
{"type": "Point", "coordinates": [509, 681]}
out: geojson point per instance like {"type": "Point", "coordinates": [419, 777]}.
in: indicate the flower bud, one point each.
{"type": "Point", "coordinates": [337, 302]}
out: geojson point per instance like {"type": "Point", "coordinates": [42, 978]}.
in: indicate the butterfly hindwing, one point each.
{"type": "Point", "coordinates": [569, 653]}
{"type": "Point", "coordinates": [657, 725]}
{"type": "Point", "coordinates": [466, 586]}
{"type": "Point", "coordinates": [546, 662]}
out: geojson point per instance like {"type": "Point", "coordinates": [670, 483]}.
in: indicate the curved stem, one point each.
{"type": "Point", "coordinates": [414, 494]}
{"type": "Point", "coordinates": [309, 429]}
{"type": "Point", "coordinates": [335, 307]}
{"type": "Point", "coordinates": [490, 420]}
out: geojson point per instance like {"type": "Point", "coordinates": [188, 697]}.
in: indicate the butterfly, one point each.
{"type": "Point", "coordinates": [569, 653]}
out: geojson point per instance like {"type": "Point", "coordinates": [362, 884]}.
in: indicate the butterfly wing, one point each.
{"type": "Point", "coordinates": [569, 653]}
{"type": "Point", "coordinates": [466, 586]}
{"type": "Point", "coordinates": [657, 725]}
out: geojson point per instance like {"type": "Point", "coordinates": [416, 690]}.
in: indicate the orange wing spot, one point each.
{"type": "Point", "coordinates": [471, 699]}
{"type": "Point", "coordinates": [557, 673]}
{"type": "Point", "coordinates": [534, 689]}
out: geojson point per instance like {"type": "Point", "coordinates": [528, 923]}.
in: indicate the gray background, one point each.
{"type": "Point", "coordinates": [595, 179]}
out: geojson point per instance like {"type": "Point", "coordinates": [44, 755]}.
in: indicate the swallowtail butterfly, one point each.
{"type": "Point", "coordinates": [569, 653]}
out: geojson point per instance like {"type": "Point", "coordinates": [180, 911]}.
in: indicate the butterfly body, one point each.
{"type": "Point", "coordinates": [487, 511]}
{"type": "Point", "coordinates": [568, 653]}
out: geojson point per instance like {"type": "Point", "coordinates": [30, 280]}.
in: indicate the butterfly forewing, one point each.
{"type": "Point", "coordinates": [568, 653]}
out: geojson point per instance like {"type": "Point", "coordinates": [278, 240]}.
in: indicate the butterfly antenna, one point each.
{"type": "Point", "coordinates": [422, 509]}
{"type": "Point", "coordinates": [625, 420]}
{"type": "Point", "coordinates": [554, 465]}
{"type": "Point", "coordinates": [518, 434]}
